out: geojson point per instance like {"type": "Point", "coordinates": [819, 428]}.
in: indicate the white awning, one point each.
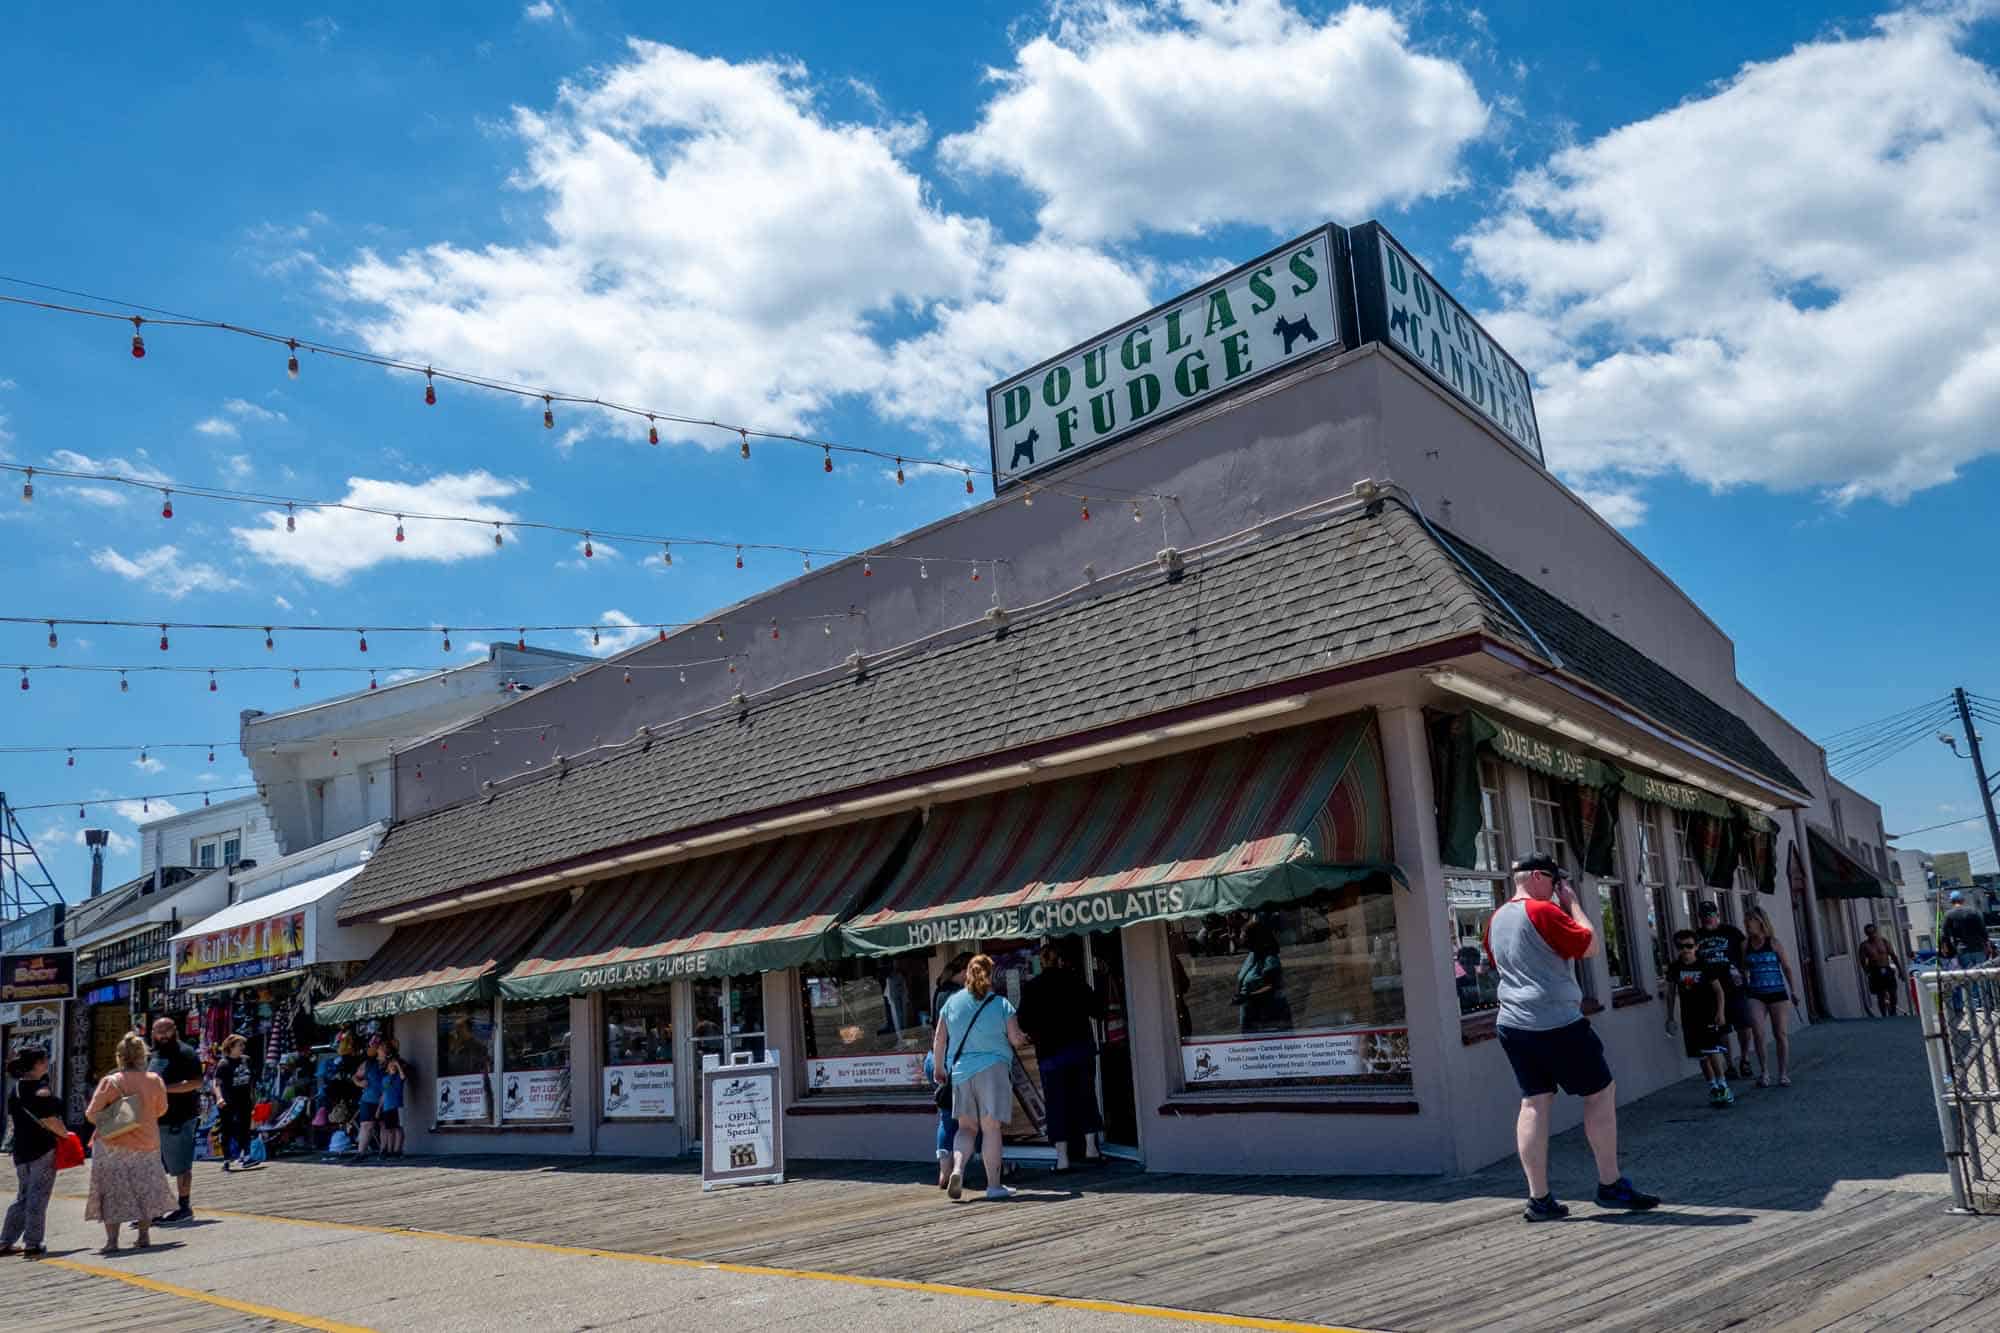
{"type": "Point", "coordinates": [295, 898]}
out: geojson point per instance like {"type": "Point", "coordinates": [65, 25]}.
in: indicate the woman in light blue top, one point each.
{"type": "Point", "coordinates": [975, 1040]}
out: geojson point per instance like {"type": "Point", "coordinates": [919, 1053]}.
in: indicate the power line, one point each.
{"type": "Point", "coordinates": [1932, 828]}
{"type": "Point", "coordinates": [548, 397]}
{"type": "Point", "coordinates": [292, 505]}
{"type": "Point", "coordinates": [1834, 740]}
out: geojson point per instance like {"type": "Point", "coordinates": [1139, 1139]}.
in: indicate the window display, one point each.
{"type": "Point", "coordinates": [639, 1054]}
{"type": "Point", "coordinates": [728, 1016]}
{"type": "Point", "coordinates": [1300, 995]}
{"type": "Point", "coordinates": [534, 1060]}
{"type": "Point", "coordinates": [867, 1023]}
{"type": "Point", "coordinates": [465, 1060]}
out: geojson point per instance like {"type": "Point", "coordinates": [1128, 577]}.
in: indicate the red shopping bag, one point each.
{"type": "Point", "coordinates": [69, 1152]}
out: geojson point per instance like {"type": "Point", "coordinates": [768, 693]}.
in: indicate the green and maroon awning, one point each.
{"type": "Point", "coordinates": [435, 963]}
{"type": "Point", "coordinates": [1270, 818]}
{"type": "Point", "coordinates": [1838, 875]}
{"type": "Point", "coordinates": [759, 909]}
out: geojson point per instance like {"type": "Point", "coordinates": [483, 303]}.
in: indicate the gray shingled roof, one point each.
{"type": "Point", "coordinates": [1360, 586]}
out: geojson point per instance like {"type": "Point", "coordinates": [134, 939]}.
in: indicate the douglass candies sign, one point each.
{"type": "Point", "coordinates": [1271, 312]}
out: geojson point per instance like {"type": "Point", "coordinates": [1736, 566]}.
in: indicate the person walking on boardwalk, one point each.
{"type": "Point", "coordinates": [1884, 970]}
{"type": "Point", "coordinates": [1059, 1010]}
{"type": "Point", "coordinates": [127, 1183]}
{"type": "Point", "coordinates": [1695, 989]}
{"type": "Point", "coordinates": [1721, 945]}
{"type": "Point", "coordinates": [1534, 941]}
{"type": "Point", "coordinates": [950, 982]}
{"type": "Point", "coordinates": [1768, 991]}
{"type": "Point", "coordinates": [36, 1114]}
{"type": "Point", "coordinates": [179, 1069]}
{"type": "Point", "coordinates": [977, 1035]}
{"type": "Point", "coordinates": [235, 1093]}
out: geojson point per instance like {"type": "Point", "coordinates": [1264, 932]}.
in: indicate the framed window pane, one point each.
{"type": "Point", "coordinates": [232, 851]}
{"type": "Point", "coordinates": [1304, 995]}
{"type": "Point", "coordinates": [465, 1064]}
{"type": "Point", "coordinates": [866, 1023]}
{"type": "Point", "coordinates": [1546, 819]}
{"type": "Point", "coordinates": [1472, 904]}
{"type": "Point", "coordinates": [1492, 819]}
{"type": "Point", "coordinates": [534, 1060]}
{"type": "Point", "coordinates": [1617, 931]}
{"type": "Point", "coordinates": [1832, 927]}
{"type": "Point", "coordinates": [728, 1016]}
{"type": "Point", "coordinates": [639, 1054]}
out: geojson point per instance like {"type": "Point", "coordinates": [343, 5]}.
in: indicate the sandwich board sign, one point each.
{"type": "Point", "coordinates": [742, 1121]}
{"type": "Point", "coordinates": [1279, 308]}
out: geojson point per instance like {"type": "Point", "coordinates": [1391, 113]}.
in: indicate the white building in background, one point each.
{"type": "Point", "coordinates": [1910, 872]}
{"type": "Point", "coordinates": [225, 834]}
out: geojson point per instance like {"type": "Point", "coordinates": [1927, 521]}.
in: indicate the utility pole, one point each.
{"type": "Point", "coordinates": [1978, 767]}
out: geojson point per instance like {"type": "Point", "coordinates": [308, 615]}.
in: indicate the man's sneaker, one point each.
{"type": "Point", "coordinates": [1716, 1093]}
{"type": "Point", "coordinates": [1545, 1209]}
{"type": "Point", "coordinates": [1623, 1195]}
{"type": "Point", "coordinates": [1727, 1097]}
{"type": "Point", "coordinates": [180, 1214]}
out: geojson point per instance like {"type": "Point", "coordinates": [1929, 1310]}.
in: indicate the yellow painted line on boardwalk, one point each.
{"type": "Point", "coordinates": [208, 1298]}
{"type": "Point", "coordinates": [1208, 1318]}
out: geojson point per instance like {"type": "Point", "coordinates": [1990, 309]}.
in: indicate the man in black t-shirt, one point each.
{"type": "Point", "coordinates": [1721, 946]}
{"type": "Point", "coordinates": [1965, 934]}
{"type": "Point", "coordinates": [180, 1069]}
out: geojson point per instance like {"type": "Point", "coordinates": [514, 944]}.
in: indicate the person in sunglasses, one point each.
{"type": "Point", "coordinates": [1696, 988]}
{"type": "Point", "coordinates": [1535, 940]}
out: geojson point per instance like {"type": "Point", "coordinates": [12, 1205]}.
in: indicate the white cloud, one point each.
{"type": "Point", "coordinates": [280, 602]}
{"type": "Point", "coordinates": [101, 496]}
{"type": "Point", "coordinates": [249, 411]}
{"type": "Point", "coordinates": [235, 467]}
{"type": "Point", "coordinates": [332, 544]}
{"type": "Point", "coordinates": [713, 241]}
{"type": "Point", "coordinates": [217, 428]}
{"type": "Point", "coordinates": [55, 835]}
{"type": "Point", "coordinates": [1621, 507]}
{"type": "Point", "coordinates": [1189, 114]}
{"type": "Point", "coordinates": [165, 570]}
{"type": "Point", "coordinates": [1768, 285]}
{"type": "Point", "coordinates": [546, 11]}
{"type": "Point", "coordinates": [141, 811]}
{"type": "Point", "coordinates": [72, 461]}
{"type": "Point", "coordinates": [145, 763]}
{"type": "Point", "coordinates": [617, 632]}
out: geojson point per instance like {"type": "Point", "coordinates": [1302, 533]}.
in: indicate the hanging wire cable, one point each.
{"type": "Point", "coordinates": [269, 629]}
{"type": "Point", "coordinates": [548, 397]}
{"type": "Point", "coordinates": [291, 505]}
{"type": "Point", "coordinates": [1835, 740]}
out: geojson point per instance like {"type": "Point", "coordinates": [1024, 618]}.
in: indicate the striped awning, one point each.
{"type": "Point", "coordinates": [435, 963]}
{"type": "Point", "coordinates": [1270, 818]}
{"type": "Point", "coordinates": [758, 909]}
{"type": "Point", "coordinates": [1838, 875]}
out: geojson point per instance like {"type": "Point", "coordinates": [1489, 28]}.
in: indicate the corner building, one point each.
{"type": "Point", "coordinates": [1358, 651]}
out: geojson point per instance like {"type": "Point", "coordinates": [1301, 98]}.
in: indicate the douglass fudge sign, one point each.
{"type": "Point", "coordinates": [1267, 314]}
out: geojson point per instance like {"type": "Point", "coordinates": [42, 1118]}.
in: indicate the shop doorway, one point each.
{"type": "Point", "coordinates": [728, 1017]}
{"type": "Point", "coordinates": [1104, 963]}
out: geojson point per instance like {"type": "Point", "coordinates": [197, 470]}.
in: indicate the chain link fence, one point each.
{"type": "Point", "coordinates": [1961, 1024]}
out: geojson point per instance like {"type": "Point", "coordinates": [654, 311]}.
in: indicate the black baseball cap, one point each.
{"type": "Point", "coordinates": [1710, 909]}
{"type": "Point", "coordinates": [1527, 865]}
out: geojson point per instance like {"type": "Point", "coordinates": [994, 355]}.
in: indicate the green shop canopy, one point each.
{"type": "Point", "coordinates": [1270, 818]}
{"type": "Point", "coordinates": [1586, 788]}
{"type": "Point", "coordinates": [758, 909]}
{"type": "Point", "coordinates": [431, 964]}
{"type": "Point", "coordinates": [1838, 875]}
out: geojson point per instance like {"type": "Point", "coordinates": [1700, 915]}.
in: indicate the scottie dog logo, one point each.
{"type": "Point", "coordinates": [1291, 330]}
{"type": "Point", "coordinates": [1204, 1067]}
{"type": "Point", "coordinates": [1025, 449]}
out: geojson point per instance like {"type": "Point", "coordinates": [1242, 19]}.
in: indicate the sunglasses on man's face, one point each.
{"type": "Point", "coordinates": [1685, 945]}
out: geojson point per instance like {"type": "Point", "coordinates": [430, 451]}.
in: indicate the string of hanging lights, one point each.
{"type": "Point", "coordinates": [408, 673]}
{"type": "Point", "coordinates": [547, 396]}
{"type": "Point", "coordinates": [295, 505]}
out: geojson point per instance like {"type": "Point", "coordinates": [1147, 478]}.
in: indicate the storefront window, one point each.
{"type": "Point", "coordinates": [1832, 927]}
{"type": "Point", "coordinates": [1616, 926]}
{"type": "Point", "coordinates": [534, 1060]}
{"type": "Point", "coordinates": [639, 1055]}
{"type": "Point", "coordinates": [728, 1016]}
{"type": "Point", "coordinates": [1474, 891]}
{"type": "Point", "coordinates": [1653, 877]}
{"type": "Point", "coordinates": [1545, 815]}
{"type": "Point", "coordinates": [866, 1023]}
{"type": "Point", "coordinates": [1686, 873]}
{"type": "Point", "coordinates": [465, 1062]}
{"type": "Point", "coordinates": [1302, 995]}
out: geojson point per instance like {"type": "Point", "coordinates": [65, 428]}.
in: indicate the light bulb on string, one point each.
{"type": "Point", "coordinates": [447, 639]}
{"type": "Point", "coordinates": [371, 680]}
{"type": "Point", "coordinates": [28, 486]}
{"type": "Point", "coordinates": [166, 503]}
{"type": "Point", "coordinates": [867, 570]}
{"type": "Point", "coordinates": [628, 675]}
{"type": "Point", "coordinates": [364, 640]}
{"type": "Point", "coordinates": [204, 798]}
{"type": "Point", "coordinates": [808, 564]}
{"type": "Point", "coordinates": [138, 342]}
{"type": "Point", "coordinates": [498, 539]}
{"type": "Point", "coordinates": [142, 756]}
{"type": "Point", "coordinates": [295, 680]}
{"type": "Point", "coordinates": [719, 635]}
{"type": "Point", "coordinates": [829, 460]}
{"type": "Point", "coordinates": [72, 760]}
{"type": "Point", "coordinates": [292, 361]}
{"type": "Point", "coordinates": [745, 450]}
{"type": "Point", "coordinates": [291, 519]}
{"type": "Point", "coordinates": [124, 685]}
{"type": "Point", "coordinates": [1086, 509]}
{"type": "Point", "coordinates": [968, 481]}
{"type": "Point", "coordinates": [1028, 496]}
{"type": "Point", "coordinates": [52, 634]}
{"type": "Point", "coordinates": [145, 802]}
{"type": "Point", "coordinates": [521, 642]}
{"type": "Point", "coordinates": [588, 552]}
{"type": "Point", "coordinates": [774, 629]}
{"type": "Point", "coordinates": [739, 557]}
{"type": "Point", "coordinates": [335, 747]}
{"type": "Point", "coordinates": [652, 431]}
{"type": "Point", "coordinates": [899, 472]}
{"type": "Point", "coordinates": [593, 636]}
{"type": "Point", "coordinates": [923, 570]}
{"type": "Point", "coordinates": [975, 573]}
{"type": "Point", "coordinates": [666, 553]}
{"type": "Point", "coordinates": [163, 638]}
{"type": "Point", "coordinates": [684, 676]}
{"type": "Point", "coordinates": [269, 642]}
{"type": "Point", "coordinates": [828, 628]}
{"type": "Point", "coordinates": [80, 814]}
{"type": "Point", "coordinates": [663, 634]}
{"type": "Point", "coordinates": [1137, 517]}
{"type": "Point", "coordinates": [430, 390]}
{"type": "Point", "coordinates": [548, 413]}
{"type": "Point", "coordinates": [211, 683]}
{"type": "Point", "coordinates": [211, 756]}
{"type": "Point", "coordinates": [24, 679]}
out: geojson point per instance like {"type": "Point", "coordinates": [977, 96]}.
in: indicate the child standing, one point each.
{"type": "Point", "coordinates": [1696, 987]}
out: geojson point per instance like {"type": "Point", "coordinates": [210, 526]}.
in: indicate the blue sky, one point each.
{"type": "Point", "coordinates": [1754, 228]}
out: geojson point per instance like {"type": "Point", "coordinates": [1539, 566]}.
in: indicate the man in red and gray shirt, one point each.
{"type": "Point", "coordinates": [1534, 941]}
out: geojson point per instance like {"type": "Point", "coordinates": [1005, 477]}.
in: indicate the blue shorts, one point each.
{"type": "Point", "coordinates": [1570, 1058]}
{"type": "Point", "coordinates": [177, 1147]}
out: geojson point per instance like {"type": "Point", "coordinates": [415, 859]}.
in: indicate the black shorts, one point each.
{"type": "Point", "coordinates": [392, 1119]}
{"type": "Point", "coordinates": [1881, 978]}
{"type": "Point", "coordinates": [1570, 1058]}
{"type": "Point", "coordinates": [1736, 1009]}
{"type": "Point", "coordinates": [1699, 1039]}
